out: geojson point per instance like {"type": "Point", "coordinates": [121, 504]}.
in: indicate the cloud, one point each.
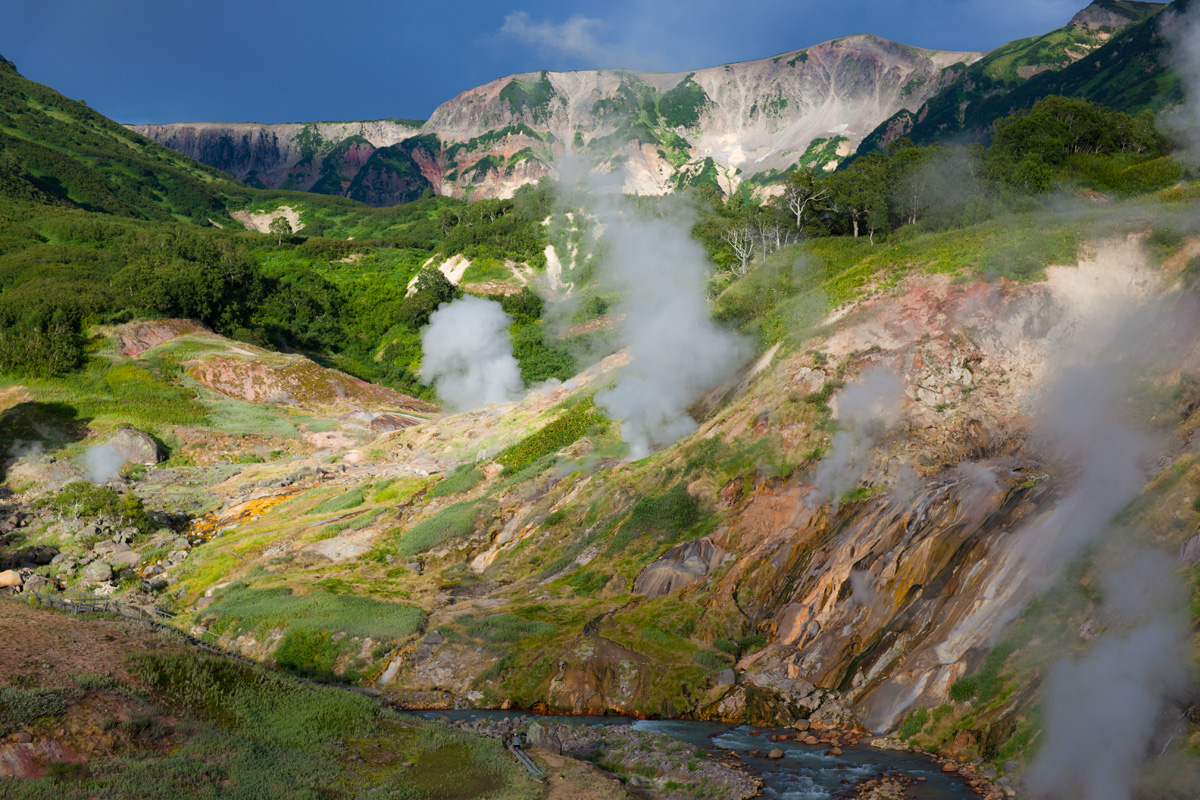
{"type": "Point", "coordinates": [579, 38]}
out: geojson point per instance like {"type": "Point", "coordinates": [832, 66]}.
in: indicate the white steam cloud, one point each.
{"type": "Point", "coordinates": [1183, 32]}
{"type": "Point", "coordinates": [865, 410]}
{"type": "Point", "coordinates": [677, 352]}
{"type": "Point", "coordinates": [467, 354]}
{"type": "Point", "coordinates": [102, 463]}
{"type": "Point", "coordinates": [1101, 709]}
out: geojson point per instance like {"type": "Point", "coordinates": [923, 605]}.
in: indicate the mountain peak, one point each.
{"type": "Point", "coordinates": [7, 66]}
{"type": "Point", "coordinates": [1114, 13]}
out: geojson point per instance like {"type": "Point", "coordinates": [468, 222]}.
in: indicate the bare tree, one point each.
{"type": "Point", "coordinates": [741, 239]}
{"type": "Point", "coordinates": [804, 192]}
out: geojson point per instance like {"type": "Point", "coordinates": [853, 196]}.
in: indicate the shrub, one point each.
{"type": "Point", "coordinates": [914, 723]}
{"type": "Point", "coordinates": [552, 437]}
{"type": "Point", "coordinates": [84, 500]}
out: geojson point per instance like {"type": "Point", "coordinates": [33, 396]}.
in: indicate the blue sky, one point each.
{"type": "Point", "coordinates": [223, 61]}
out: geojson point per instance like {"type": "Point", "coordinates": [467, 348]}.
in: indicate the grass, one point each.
{"type": "Point", "coordinates": [452, 523]}
{"type": "Point", "coordinates": [354, 523]}
{"type": "Point", "coordinates": [342, 502]}
{"type": "Point", "coordinates": [241, 607]}
{"type": "Point", "coordinates": [463, 479]}
{"type": "Point", "coordinates": [552, 437]}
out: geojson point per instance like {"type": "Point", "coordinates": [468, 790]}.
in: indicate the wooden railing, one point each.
{"type": "Point", "coordinates": [81, 603]}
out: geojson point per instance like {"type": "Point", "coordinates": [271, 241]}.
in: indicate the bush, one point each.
{"type": "Point", "coordinates": [914, 723]}
{"type": "Point", "coordinates": [84, 500]}
{"type": "Point", "coordinates": [552, 437]}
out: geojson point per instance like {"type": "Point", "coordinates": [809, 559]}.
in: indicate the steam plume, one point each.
{"type": "Point", "coordinates": [865, 409]}
{"type": "Point", "coordinates": [468, 356]}
{"type": "Point", "coordinates": [102, 463]}
{"type": "Point", "coordinates": [1101, 709]}
{"type": "Point", "coordinates": [1183, 31]}
{"type": "Point", "coordinates": [677, 352]}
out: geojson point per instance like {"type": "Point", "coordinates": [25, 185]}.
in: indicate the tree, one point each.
{"type": "Point", "coordinates": [280, 227]}
{"type": "Point", "coordinates": [740, 238]}
{"type": "Point", "coordinates": [805, 192]}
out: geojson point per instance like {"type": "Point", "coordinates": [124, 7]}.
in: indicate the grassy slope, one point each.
{"type": "Point", "coordinates": [179, 723]}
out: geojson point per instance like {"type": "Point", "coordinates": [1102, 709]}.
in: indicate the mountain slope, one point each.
{"type": "Point", "coordinates": [1110, 53]}
{"type": "Point", "coordinates": [719, 125]}
{"type": "Point", "coordinates": [57, 150]}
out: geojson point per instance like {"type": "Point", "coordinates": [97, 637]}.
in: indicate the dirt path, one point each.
{"type": "Point", "coordinates": [568, 779]}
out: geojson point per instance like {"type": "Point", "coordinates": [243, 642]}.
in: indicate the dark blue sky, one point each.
{"type": "Point", "coordinates": [268, 61]}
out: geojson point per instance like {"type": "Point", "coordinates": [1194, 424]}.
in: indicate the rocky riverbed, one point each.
{"type": "Point", "coordinates": [661, 766]}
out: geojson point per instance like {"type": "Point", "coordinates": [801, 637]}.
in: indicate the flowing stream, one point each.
{"type": "Point", "coordinates": [804, 772]}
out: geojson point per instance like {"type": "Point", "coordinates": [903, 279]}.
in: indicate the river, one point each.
{"type": "Point", "coordinates": [804, 772]}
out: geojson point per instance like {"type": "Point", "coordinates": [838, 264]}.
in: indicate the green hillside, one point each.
{"type": "Point", "coordinates": [1124, 70]}
{"type": "Point", "coordinates": [57, 150]}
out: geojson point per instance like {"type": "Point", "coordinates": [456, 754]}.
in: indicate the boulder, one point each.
{"type": "Point", "coordinates": [10, 579]}
{"type": "Point", "coordinates": [775, 754]}
{"type": "Point", "coordinates": [543, 737]}
{"type": "Point", "coordinates": [97, 572]}
{"type": "Point", "coordinates": [726, 677]}
{"type": "Point", "coordinates": [126, 560]}
{"type": "Point", "coordinates": [135, 446]}
{"type": "Point", "coordinates": [679, 567]}
{"type": "Point", "coordinates": [36, 583]}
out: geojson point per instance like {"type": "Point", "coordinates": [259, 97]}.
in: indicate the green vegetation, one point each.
{"type": "Point", "coordinates": [240, 607]}
{"type": "Point", "coordinates": [452, 523]}
{"type": "Point", "coordinates": [532, 99]}
{"type": "Point", "coordinates": [342, 502]}
{"type": "Point", "coordinates": [552, 437]}
{"type": "Point", "coordinates": [680, 107]}
{"type": "Point", "coordinates": [463, 479]}
{"type": "Point", "coordinates": [83, 500]}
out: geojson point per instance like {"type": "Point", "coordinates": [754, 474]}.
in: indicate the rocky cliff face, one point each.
{"type": "Point", "coordinates": [721, 125]}
{"type": "Point", "coordinates": [314, 156]}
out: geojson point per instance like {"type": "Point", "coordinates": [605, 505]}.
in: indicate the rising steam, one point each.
{"type": "Point", "coordinates": [467, 354]}
{"type": "Point", "coordinates": [102, 463]}
{"type": "Point", "coordinates": [865, 410]}
{"type": "Point", "coordinates": [1183, 32]}
{"type": "Point", "coordinates": [1101, 709]}
{"type": "Point", "coordinates": [677, 352]}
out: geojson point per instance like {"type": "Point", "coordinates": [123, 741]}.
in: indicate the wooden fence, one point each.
{"type": "Point", "coordinates": [82, 603]}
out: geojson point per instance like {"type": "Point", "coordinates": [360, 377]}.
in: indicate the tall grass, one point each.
{"type": "Point", "coordinates": [242, 607]}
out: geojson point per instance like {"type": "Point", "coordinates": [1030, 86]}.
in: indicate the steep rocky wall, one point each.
{"type": "Point", "coordinates": [735, 121]}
